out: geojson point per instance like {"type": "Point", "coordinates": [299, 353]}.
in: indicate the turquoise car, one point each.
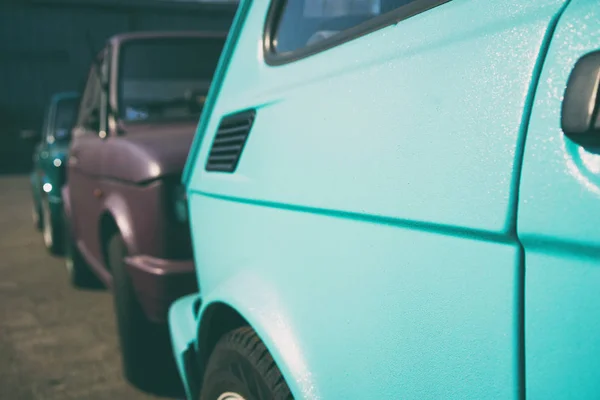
{"type": "Point", "coordinates": [48, 173]}
{"type": "Point", "coordinates": [397, 199]}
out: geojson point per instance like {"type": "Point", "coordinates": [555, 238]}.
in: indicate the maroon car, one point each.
{"type": "Point", "coordinates": [135, 124]}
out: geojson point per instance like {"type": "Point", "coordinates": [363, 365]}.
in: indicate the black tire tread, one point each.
{"type": "Point", "coordinates": [81, 276]}
{"type": "Point", "coordinates": [146, 354]}
{"type": "Point", "coordinates": [58, 238]}
{"type": "Point", "coordinates": [247, 344]}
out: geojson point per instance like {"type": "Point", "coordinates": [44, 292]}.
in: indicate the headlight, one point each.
{"type": "Point", "coordinates": [180, 203]}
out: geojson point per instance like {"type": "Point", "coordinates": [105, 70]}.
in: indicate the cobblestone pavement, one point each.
{"type": "Point", "coordinates": [56, 342]}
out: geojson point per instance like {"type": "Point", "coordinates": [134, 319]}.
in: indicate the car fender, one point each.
{"type": "Point", "coordinates": [116, 206]}
{"type": "Point", "coordinates": [245, 293]}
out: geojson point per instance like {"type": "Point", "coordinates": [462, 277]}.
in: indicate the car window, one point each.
{"type": "Point", "coordinates": [84, 95]}
{"type": "Point", "coordinates": [90, 100]}
{"type": "Point", "coordinates": [94, 103]}
{"type": "Point", "coordinates": [64, 116]}
{"type": "Point", "coordinates": [163, 78]}
{"type": "Point", "coordinates": [303, 23]}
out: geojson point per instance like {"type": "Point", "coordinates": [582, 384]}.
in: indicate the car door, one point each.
{"type": "Point", "coordinates": [559, 219]}
{"type": "Point", "coordinates": [384, 159]}
{"type": "Point", "coordinates": [85, 166]}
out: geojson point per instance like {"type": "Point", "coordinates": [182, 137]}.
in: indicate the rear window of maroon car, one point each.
{"type": "Point", "coordinates": [166, 78]}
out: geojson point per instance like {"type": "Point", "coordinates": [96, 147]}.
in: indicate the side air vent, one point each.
{"type": "Point", "coordinates": [229, 142]}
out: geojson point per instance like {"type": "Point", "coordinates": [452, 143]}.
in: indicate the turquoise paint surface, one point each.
{"type": "Point", "coordinates": [356, 309]}
{"type": "Point", "coordinates": [183, 330]}
{"type": "Point", "coordinates": [559, 209]}
{"type": "Point", "coordinates": [445, 87]}
{"type": "Point", "coordinates": [368, 234]}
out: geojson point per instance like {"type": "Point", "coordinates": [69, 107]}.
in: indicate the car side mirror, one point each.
{"type": "Point", "coordinates": [580, 114]}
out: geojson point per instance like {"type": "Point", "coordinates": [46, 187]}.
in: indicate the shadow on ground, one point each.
{"type": "Point", "coordinates": [55, 342]}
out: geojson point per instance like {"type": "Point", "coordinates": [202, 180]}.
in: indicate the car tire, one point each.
{"type": "Point", "coordinates": [146, 352]}
{"type": "Point", "coordinates": [79, 272]}
{"type": "Point", "coordinates": [241, 367]}
{"type": "Point", "coordinates": [36, 217]}
{"type": "Point", "coordinates": [52, 230]}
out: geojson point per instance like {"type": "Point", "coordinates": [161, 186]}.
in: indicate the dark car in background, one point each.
{"type": "Point", "coordinates": [125, 227]}
{"type": "Point", "coordinates": [48, 174]}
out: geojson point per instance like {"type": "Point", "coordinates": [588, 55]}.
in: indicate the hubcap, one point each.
{"type": "Point", "coordinates": [231, 396]}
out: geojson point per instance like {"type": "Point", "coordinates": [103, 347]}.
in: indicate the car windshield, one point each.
{"type": "Point", "coordinates": [66, 111]}
{"type": "Point", "coordinates": [166, 78]}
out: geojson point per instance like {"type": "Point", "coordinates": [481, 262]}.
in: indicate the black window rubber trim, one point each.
{"type": "Point", "coordinates": [276, 8]}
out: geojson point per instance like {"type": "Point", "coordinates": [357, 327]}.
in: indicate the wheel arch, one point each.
{"type": "Point", "coordinates": [107, 227]}
{"type": "Point", "coordinates": [232, 309]}
{"type": "Point", "coordinates": [116, 218]}
{"type": "Point", "coordinates": [217, 319]}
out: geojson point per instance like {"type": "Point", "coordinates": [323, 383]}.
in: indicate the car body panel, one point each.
{"type": "Point", "coordinates": [456, 310]}
{"type": "Point", "coordinates": [145, 153]}
{"type": "Point", "coordinates": [160, 282]}
{"type": "Point", "coordinates": [122, 179]}
{"type": "Point", "coordinates": [559, 208]}
{"type": "Point", "coordinates": [85, 162]}
{"type": "Point", "coordinates": [49, 157]}
{"type": "Point", "coordinates": [183, 339]}
{"type": "Point", "coordinates": [370, 224]}
{"type": "Point", "coordinates": [46, 171]}
{"type": "Point", "coordinates": [450, 189]}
